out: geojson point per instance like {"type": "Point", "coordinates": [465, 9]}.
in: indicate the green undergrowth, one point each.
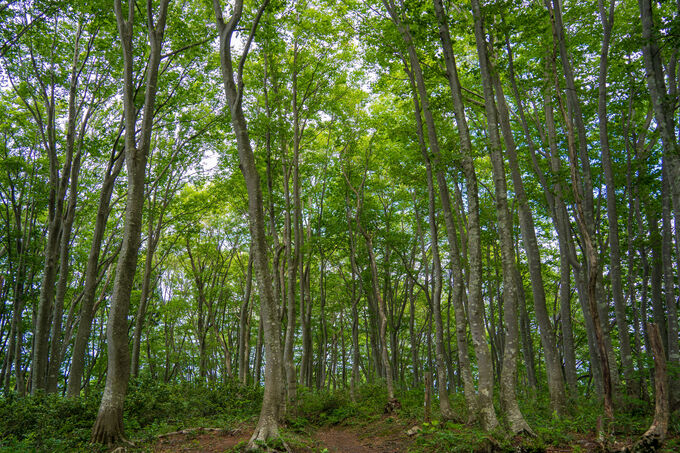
{"type": "Point", "coordinates": [52, 423]}
{"type": "Point", "coordinates": [575, 430]}
{"type": "Point", "coordinates": [56, 424]}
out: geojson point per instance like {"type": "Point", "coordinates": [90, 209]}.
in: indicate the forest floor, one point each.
{"type": "Point", "coordinates": [188, 417]}
{"type": "Point", "coordinates": [383, 436]}
{"type": "Point", "coordinates": [334, 439]}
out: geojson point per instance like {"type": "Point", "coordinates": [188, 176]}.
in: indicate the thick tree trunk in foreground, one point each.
{"type": "Point", "coordinates": [108, 428]}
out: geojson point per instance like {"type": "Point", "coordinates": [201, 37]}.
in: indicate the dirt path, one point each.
{"type": "Point", "coordinates": [199, 442]}
{"type": "Point", "coordinates": [343, 440]}
{"type": "Point", "coordinates": [366, 439]}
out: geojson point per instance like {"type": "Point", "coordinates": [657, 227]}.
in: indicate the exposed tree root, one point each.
{"type": "Point", "coordinates": [648, 443]}
{"type": "Point", "coordinates": [266, 437]}
{"type": "Point", "coordinates": [392, 406]}
{"type": "Point", "coordinates": [653, 439]}
{"type": "Point", "coordinates": [108, 429]}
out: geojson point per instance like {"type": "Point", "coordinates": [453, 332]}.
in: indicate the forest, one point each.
{"type": "Point", "coordinates": [283, 217]}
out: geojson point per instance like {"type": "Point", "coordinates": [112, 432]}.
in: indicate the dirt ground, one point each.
{"type": "Point", "coordinates": [378, 437]}
{"type": "Point", "coordinates": [201, 441]}
{"type": "Point", "coordinates": [366, 439]}
{"type": "Point", "coordinates": [344, 440]}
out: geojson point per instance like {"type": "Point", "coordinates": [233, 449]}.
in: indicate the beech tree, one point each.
{"type": "Point", "coordinates": [485, 195]}
{"type": "Point", "coordinates": [108, 428]}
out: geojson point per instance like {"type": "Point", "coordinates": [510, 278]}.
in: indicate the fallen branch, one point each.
{"type": "Point", "coordinates": [230, 432]}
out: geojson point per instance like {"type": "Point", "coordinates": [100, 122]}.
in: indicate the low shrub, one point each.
{"type": "Point", "coordinates": [57, 424]}
{"type": "Point", "coordinates": [46, 422]}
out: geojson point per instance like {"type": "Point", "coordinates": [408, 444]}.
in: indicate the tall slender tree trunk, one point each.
{"type": "Point", "coordinates": [420, 89]}
{"type": "Point", "coordinates": [108, 427]}
{"type": "Point", "coordinates": [509, 373]}
{"type": "Point", "coordinates": [553, 366]}
{"type": "Point", "coordinates": [669, 284]}
{"type": "Point", "coordinates": [581, 174]}
{"type": "Point", "coordinates": [60, 296]}
{"type": "Point", "coordinates": [267, 426]}
{"type": "Point", "coordinates": [375, 290]}
{"type": "Point", "coordinates": [244, 325]}
{"type": "Point", "coordinates": [382, 317]}
{"type": "Point", "coordinates": [484, 403]}
{"type": "Point", "coordinates": [57, 193]}
{"type": "Point", "coordinates": [91, 276]}
{"type": "Point", "coordinates": [437, 283]}
{"type": "Point", "coordinates": [356, 296]}
{"type": "Point", "coordinates": [291, 257]}
{"type": "Point", "coordinates": [664, 102]}
{"type": "Point", "coordinates": [607, 19]}
{"type": "Point", "coordinates": [592, 274]}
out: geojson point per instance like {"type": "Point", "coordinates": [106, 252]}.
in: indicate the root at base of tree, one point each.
{"type": "Point", "coordinates": [108, 429]}
{"type": "Point", "coordinates": [267, 438]}
{"type": "Point", "coordinates": [653, 439]}
{"type": "Point", "coordinates": [392, 406]}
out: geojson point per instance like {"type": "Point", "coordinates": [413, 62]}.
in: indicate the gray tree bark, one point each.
{"type": "Point", "coordinates": [442, 381]}
{"type": "Point", "coordinates": [267, 426]}
{"type": "Point", "coordinates": [87, 302]}
{"type": "Point", "coordinates": [58, 184]}
{"type": "Point", "coordinates": [74, 142]}
{"type": "Point", "coordinates": [526, 221]}
{"type": "Point", "coordinates": [483, 404]}
{"type": "Point", "coordinates": [607, 19]}
{"type": "Point", "coordinates": [509, 373]}
{"type": "Point", "coordinates": [664, 102]}
{"type": "Point", "coordinates": [108, 427]}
